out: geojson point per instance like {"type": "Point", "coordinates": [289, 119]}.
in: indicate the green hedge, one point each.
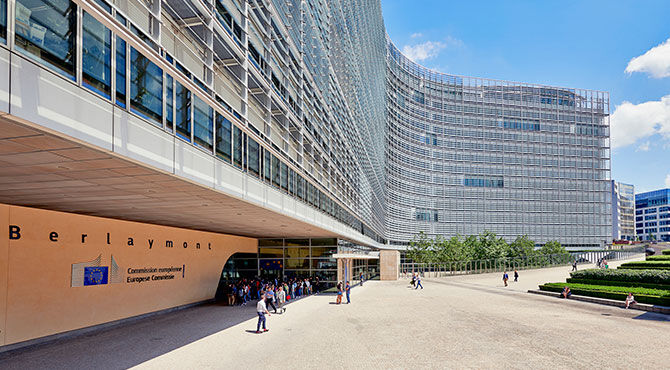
{"type": "Point", "coordinates": [629, 284]}
{"type": "Point", "coordinates": [642, 295]}
{"type": "Point", "coordinates": [667, 251]}
{"type": "Point", "coordinates": [661, 265]}
{"type": "Point", "coordinates": [663, 257]}
{"type": "Point", "coordinates": [633, 276]}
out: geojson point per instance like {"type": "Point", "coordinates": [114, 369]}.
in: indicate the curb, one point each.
{"type": "Point", "coordinates": [607, 302]}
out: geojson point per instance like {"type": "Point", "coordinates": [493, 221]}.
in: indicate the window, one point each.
{"type": "Point", "coordinates": [291, 181]}
{"type": "Point", "coordinates": [267, 165]}
{"type": "Point", "coordinates": [46, 30]}
{"type": "Point", "coordinates": [146, 87]}
{"type": "Point", "coordinates": [96, 56]}
{"type": "Point", "coordinates": [284, 176]}
{"type": "Point", "coordinates": [183, 112]}
{"type": "Point", "coordinates": [237, 146]}
{"type": "Point", "coordinates": [276, 174]}
{"type": "Point", "coordinates": [254, 157]}
{"type": "Point", "coordinates": [3, 20]}
{"type": "Point", "coordinates": [482, 182]}
{"type": "Point", "coordinates": [429, 215]}
{"type": "Point", "coordinates": [300, 191]}
{"type": "Point", "coordinates": [121, 74]}
{"type": "Point", "coordinates": [169, 103]}
{"type": "Point", "coordinates": [203, 120]}
{"type": "Point", "coordinates": [223, 132]}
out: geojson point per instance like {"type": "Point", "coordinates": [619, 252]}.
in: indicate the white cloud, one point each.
{"type": "Point", "coordinates": [644, 147]}
{"type": "Point", "coordinates": [423, 51]}
{"type": "Point", "coordinates": [656, 61]}
{"type": "Point", "coordinates": [632, 122]}
{"type": "Point", "coordinates": [416, 35]}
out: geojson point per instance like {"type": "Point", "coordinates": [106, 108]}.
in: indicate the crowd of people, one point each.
{"type": "Point", "coordinates": [242, 291]}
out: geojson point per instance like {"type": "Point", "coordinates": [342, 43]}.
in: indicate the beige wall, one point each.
{"type": "Point", "coordinates": [389, 264]}
{"type": "Point", "coordinates": [37, 296]}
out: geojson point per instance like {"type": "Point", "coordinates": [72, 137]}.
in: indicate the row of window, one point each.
{"type": "Point", "coordinates": [46, 31]}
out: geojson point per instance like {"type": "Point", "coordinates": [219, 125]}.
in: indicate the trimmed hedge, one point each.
{"type": "Point", "coordinates": [619, 283]}
{"type": "Point", "coordinates": [633, 276]}
{"type": "Point", "coordinates": [663, 265]}
{"type": "Point", "coordinates": [642, 295]}
{"type": "Point", "coordinates": [666, 251]}
{"type": "Point", "coordinates": [663, 257]}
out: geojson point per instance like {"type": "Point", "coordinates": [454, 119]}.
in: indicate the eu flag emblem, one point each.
{"type": "Point", "coordinates": [95, 275]}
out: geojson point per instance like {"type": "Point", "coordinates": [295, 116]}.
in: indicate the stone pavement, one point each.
{"type": "Point", "coordinates": [465, 321]}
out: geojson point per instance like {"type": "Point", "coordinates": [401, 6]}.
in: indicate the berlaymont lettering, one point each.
{"type": "Point", "coordinates": [62, 271]}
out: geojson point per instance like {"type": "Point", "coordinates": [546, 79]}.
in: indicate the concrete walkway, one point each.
{"type": "Point", "coordinates": [461, 322]}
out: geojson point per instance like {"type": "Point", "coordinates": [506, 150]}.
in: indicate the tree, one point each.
{"type": "Point", "coordinates": [522, 246]}
{"type": "Point", "coordinates": [419, 249]}
{"type": "Point", "coordinates": [490, 246]}
{"type": "Point", "coordinates": [552, 247]}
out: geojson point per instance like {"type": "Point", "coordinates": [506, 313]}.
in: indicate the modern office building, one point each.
{"type": "Point", "coordinates": [143, 144]}
{"type": "Point", "coordinates": [652, 215]}
{"type": "Point", "coordinates": [623, 211]}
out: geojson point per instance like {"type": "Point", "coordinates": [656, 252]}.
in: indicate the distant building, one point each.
{"type": "Point", "coordinates": [652, 215]}
{"type": "Point", "coordinates": [623, 211]}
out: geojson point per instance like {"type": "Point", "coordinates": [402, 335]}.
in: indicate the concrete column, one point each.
{"type": "Point", "coordinates": [389, 264]}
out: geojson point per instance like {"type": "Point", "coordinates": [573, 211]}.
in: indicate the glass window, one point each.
{"type": "Point", "coordinates": [297, 242]}
{"type": "Point", "coordinates": [121, 73]}
{"type": "Point", "coordinates": [169, 103]}
{"type": "Point", "coordinates": [254, 157]}
{"type": "Point", "coordinates": [284, 176]}
{"type": "Point", "coordinates": [300, 191]}
{"type": "Point", "coordinates": [276, 171]}
{"type": "Point", "coordinates": [267, 166]}
{"type": "Point", "coordinates": [297, 252]}
{"type": "Point", "coordinates": [297, 263]}
{"type": "Point", "coordinates": [270, 242]}
{"type": "Point", "coordinates": [324, 241]}
{"type": "Point", "coordinates": [3, 20]}
{"type": "Point", "coordinates": [203, 122]}
{"type": "Point", "coordinates": [237, 146]}
{"type": "Point", "coordinates": [291, 181]}
{"type": "Point", "coordinates": [323, 251]}
{"type": "Point", "coordinates": [96, 58]}
{"type": "Point", "coordinates": [46, 30]}
{"type": "Point", "coordinates": [183, 112]}
{"type": "Point", "coordinates": [146, 87]}
{"type": "Point", "coordinates": [271, 252]}
{"type": "Point", "coordinates": [223, 132]}
{"type": "Point", "coordinates": [324, 264]}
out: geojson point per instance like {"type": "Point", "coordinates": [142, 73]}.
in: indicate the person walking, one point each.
{"type": "Point", "coordinates": [347, 289]}
{"type": "Point", "coordinates": [516, 276]}
{"type": "Point", "coordinates": [362, 277]}
{"type": "Point", "coordinates": [339, 293]}
{"type": "Point", "coordinates": [281, 298]}
{"type": "Point", "coordinates": [505, 277]}
{"type": "Point", "coordinates": [270, 297]}
{"type": "Point", "coordinates": [574, 265]}
{"type": "Point", "coordinates": [262, 310]}
{"type": "Point", "coordinates": [418, 281]}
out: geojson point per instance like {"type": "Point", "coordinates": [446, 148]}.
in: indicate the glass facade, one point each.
{"type": "Point", "coordinates": [650, 207]}
{"type": "Point", "coordinates": [623, 211]}
{"type": "Point", "coordinates": [470, 154]}
{"type": "Point", "coordinates": [313, 99]}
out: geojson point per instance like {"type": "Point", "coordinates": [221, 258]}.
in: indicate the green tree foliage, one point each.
{"type": "Point", "coordinates": [552, 247]}
{"type": "Point", "coordinates": [522, 246]}
{"type": "Point", "coordinates": [490, 246]}
{"type": "Point", "coordinates": [420, 248]}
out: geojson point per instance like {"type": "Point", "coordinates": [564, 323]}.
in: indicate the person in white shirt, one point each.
{"type": "Point", "coordinates": [281, 298]}
{"type": "Point", "coordinates": [630, 300]}
{"type": "Point", "coordinates": [262, 310]}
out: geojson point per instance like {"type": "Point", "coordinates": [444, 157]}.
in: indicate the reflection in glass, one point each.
{"type": "Point", "coordinates": [146, 87]}
{"type": "Point", "coordinates": [183, 111]}
{"type": "Point", "coordinates": [203, 120]}
{"type": "Point", "coordinates": [96, 58]}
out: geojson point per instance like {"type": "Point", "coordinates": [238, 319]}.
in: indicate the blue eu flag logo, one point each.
{"type": "Point", "coordinates": [95, 275]}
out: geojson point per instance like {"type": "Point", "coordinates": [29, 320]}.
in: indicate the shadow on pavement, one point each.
{"type": "Point", "coordinates": [129, 344]}
{"type": "Point", "coordinates": [653, 316]}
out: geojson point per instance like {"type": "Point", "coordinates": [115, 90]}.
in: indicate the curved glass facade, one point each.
{"type": "Point", "coordinates": [470, 154]}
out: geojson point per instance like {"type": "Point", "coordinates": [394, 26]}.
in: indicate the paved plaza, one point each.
{"type": "Point", "coordinates": [464, 321]}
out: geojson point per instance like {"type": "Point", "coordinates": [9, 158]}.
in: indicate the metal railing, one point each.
{"type": "Point", "coordinates": [441, 269]}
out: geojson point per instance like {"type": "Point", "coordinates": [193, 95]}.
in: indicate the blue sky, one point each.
{"type": "Point", "coordinates": [580, 44]}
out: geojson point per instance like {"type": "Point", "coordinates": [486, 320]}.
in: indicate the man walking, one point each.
{"type": "Point", "coordinates": [347, 289]}
{"type": "Point", "coordinates": [270, 296]}
{"type": "Point", "coordinates": [505, 277]}
{"type": "Point", "coordinates": [262, 310]}
{"type": "Point", "coordinates": [281, 298]}
{"type": "Point", "coordinates": [516, 276]}
{"type": "Point", "coordinates": [574, 265]}
{"type": "Point", "coordinates": [418, 281]}
{"type": "Point", "coordinates": [361, 278]}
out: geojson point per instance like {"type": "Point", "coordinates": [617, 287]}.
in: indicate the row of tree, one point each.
{"type": "Point", "coordinates": [486, 245]}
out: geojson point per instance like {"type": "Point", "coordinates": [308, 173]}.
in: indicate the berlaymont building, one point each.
{"type": "Point", "coordinates": [149, 149]}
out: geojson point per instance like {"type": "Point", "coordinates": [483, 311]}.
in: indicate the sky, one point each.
{"type": "Point", "coordinates": [622, 47]}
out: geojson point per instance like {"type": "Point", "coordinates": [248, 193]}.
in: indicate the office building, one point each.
{"type": "Point", "coordinates": [652, 215]}
{"type": "Point", "coordinates": [156, 140]}
{"type": "Point", "coordinates": [623, 211]}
